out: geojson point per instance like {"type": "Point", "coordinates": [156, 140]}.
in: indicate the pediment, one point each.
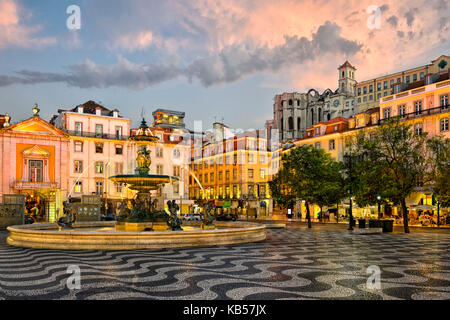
{"type": "Point", "coordinates": [35, 151]}
{"type": "Point", "coordinates": [35, 125]}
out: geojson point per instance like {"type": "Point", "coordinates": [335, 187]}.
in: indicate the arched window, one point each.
{"type": "Point", "coordinates": [291, 123]}
{"type": "Point", "coordinates": [290, 102]}
{"type": "Point", "coordinates": [312, 116]}
{"type": "Point", "coordinates": [328, 116]}
{"type": "Point", "coordinates": [319, 115]}
{"type": "Point", "coordinates": [299, 121]}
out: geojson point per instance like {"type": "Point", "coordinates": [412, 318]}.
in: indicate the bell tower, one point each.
{"type": "Point", "coordinates": [347, 80]}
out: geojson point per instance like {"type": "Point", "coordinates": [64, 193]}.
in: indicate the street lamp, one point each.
{"type": "Point", "coordinates": [379, 214]}
{"type": "Point", "coordinates": [438, 223]}
{"type": "Point", "coordinates": [348, 159]}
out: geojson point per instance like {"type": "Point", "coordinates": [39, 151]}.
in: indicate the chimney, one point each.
{"type": "Point", "coordinates": [80, 109]}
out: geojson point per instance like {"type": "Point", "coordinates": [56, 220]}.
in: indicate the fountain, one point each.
{"type": "Point", "coordinates": [146, 225]}
{"type": "Point", "coordinates": [145, 215]}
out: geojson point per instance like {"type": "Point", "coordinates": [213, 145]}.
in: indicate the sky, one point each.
{"type": "Point", "coordinates": [215, 60]}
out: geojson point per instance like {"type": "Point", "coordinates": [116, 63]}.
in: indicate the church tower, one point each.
{"type": "Point", "coordinates": [347, 80]}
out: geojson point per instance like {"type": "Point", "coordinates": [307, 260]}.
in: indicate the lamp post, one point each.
{"type": "Point", "coordinates": [438, 223]}
{"type": "Point", "coordinates": [348, 159]}
{"type": "Point", "coordinates": [379, 205]}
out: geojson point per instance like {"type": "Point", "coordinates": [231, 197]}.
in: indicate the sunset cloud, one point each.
{"type": "Point", "coordinates": [14, 33]}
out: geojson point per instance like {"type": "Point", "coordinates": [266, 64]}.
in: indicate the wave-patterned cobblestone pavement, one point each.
{"type": "Point", "coordinates": [290, 264]}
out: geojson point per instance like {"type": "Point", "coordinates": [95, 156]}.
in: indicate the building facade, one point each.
{"type": "Point", "coordinates": [98, 148]}
{"type": "Point", "coordinates": [295, 112]}
{"type": "Point", "coordinates": [35, 163]}
{"type": "Point", "coordinates": [233, 171]}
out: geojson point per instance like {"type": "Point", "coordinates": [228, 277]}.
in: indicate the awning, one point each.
{"type": "Point", "coordinates": [424, 207]}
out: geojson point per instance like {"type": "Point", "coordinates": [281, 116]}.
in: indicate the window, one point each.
{"type": "Point", "coordinates": [78, 128]}
{"type": "Point", "coordinates": [176, 153]}
{"type": "Point", "coordinates": [365, 99]}
{"type": "Point", "coordinates": [408, 79]}
{"type": "Point", "coordinates": [317, 131]}
{"type": "Point", "coordinates": [371, 97]}
{"type": "Point", "coordinates": [317, 145]}
{"type": "Point", "coordinates": [378, 86]}
{"type": "Point", "coordinates": [399, 80]}
{"type": "Point", "coordinates": [262, 158]}
{"type": "Point", "coordinates": [99, 188]}
{"type": "Point", "coordinates": [250, 158]}
{"type": "Point", "coordinates": [159, 152]}
{"type": "Point", "coordinates": [387, 113]}
{"type": "Point", "coordinates": [159, 169]}
{"type": "Point", "coordinates": [418, 128]}
{"type": "Point", "coordinates": [331, 145]}
{"type": "Point", "coordinates": [220, 175]}
{"type": "Point", "coordinates": [402, 110]}
{"type": "Point", "coordinates": [234, 174]}
{"type": "Point", "coordinates": [99, 130]}
{"type": "Point", "coordinates": [227, 175]}
{"type": "Point", "coordinates": [78, 146]}
{"type": "Point", "coordinates": [99, 167]}
{"type": "Point", "coordinates": [211, 176]}
{"type": "Point", "coordinates": [118, 132]}
{"type": "Point", "coordinates": [99, 148]}
{"type": "Point", "coordinates": [422, 75]}
{"type": "Point", "coordinates": [359, 100]}
{"type": "Point", "coordinates": [250, 173]}
{"type": "Point", "coordinates": [176, 188]}
{"type": "Point", "coordinates": [119, 168]}
{"type": "Point", "coordinates": [119, 149]}
{"type": "Point", "coordinates": [397, 88]}
{"type": "Point", "coordinates": [35, 173]}
{"type": "Point", "coordinates": [119, 187]}
{"type": "Point", "coordinates": [385, 85]}
{"type": "Point", "coordinates": [176, 171]}
{"type": "Point", "coordinates": [415, 77]}
{"type": "Point", "coordinates": [370, 88]}
{"type": "Point", "coordinates": [378, 95]}
{"type": "Point", "coordinates": [262, 173]}
{"type": "Point", "coordinates": [444, 101]}
{"type": "Point", "coordinates": [359, 91]}
{"type": "Point", "coordinates": [365, 90]}
{"type": "Point", "coordinates": [444, 124]}
{"type": "Point", "coordinates": [418, 107]}
{"type": "Point", "coordinates": [78, 187]}
{"type": "Point", "coordinates": [428, 79]}
{"type": "Point", "coordinates": [78, 166]}
{"type": "Point", "coordinates": [206, 178]}
{"type": "Point", "coordinates": [391, 83]}
{"type": "Point", "coordinates": [235, 159]}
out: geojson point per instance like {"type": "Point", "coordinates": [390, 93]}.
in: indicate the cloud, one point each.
{"type": "Point", "coordinates": [230, 64]}
{"type": "Point", "coordinates": [409, 15]}
{"type": "Point", "coordinates": [15, 33]}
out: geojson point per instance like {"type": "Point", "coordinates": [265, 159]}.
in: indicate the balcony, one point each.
{"type": "Point", "coordinates": [96, 135]}
{"type": "Point", "coordinates": [35, 185]}
{"type": "Point", "coordinates": [418, 114]}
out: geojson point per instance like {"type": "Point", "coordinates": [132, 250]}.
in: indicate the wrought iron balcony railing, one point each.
{"type": "Point", "coordinates": [97, 135]}
{"type": "Point", "coordinates": [417, 114]}
{"type": "Point", "coordinates": [35, 185]}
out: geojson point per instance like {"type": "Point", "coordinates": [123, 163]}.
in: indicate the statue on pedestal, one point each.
{"type": "Point", "coordinates": [174, 222]}
{"type": "Point", "coordinates": [68, 219]}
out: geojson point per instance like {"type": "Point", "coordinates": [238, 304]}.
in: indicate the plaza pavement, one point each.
{"type": "Point", "coordinates": [293, 263]}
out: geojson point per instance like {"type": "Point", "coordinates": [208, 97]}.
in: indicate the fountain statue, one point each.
{"type": "Point", "coordinates": [68, 219]}
{"type": "Point", "coordinates": [144, 214]}
{"type": "Point", "coordinates": [208, 218]}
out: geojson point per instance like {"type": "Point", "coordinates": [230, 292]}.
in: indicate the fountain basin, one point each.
{"type": "Point", "coordinates": [47, 236]}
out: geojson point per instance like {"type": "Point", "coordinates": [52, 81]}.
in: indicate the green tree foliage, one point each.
{"type": "Point", "coordinates": [440, 164]}
{"type": "Point", "coordinates": [393, 161]}
{"type": "Point", "coordinates": [312, 175]}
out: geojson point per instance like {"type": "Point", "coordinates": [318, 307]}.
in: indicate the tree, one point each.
{"type": "Point", "coordinates": [279, 190]}
{"type": "Point", "coordinates": [312, 175]}
{"type": "Point", "coordinates": [440, 169]}
{"type": "Point", "coordinates": [393, 162]}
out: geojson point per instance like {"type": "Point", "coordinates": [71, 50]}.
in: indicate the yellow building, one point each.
{"type": "Point", "coordinates": [370, 92]}
{"type": "Point", "coordinates": [230, 170]}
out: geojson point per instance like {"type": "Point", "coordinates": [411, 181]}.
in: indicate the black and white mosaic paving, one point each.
{"type": "Point", "coordinates": [290, 264]}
